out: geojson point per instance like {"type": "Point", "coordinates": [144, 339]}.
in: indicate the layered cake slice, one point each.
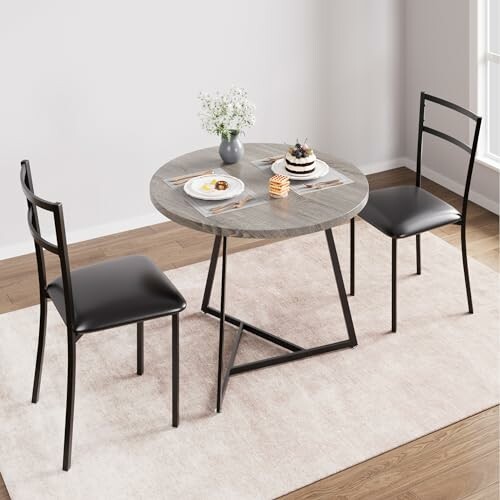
{"type": "Point", "coordinates": [300, 159]}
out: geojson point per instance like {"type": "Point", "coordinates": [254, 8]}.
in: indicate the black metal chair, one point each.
{"type": "Point", "coordinates": [98, 297]}
{"type": "Point", "coordinates": [404, 211]}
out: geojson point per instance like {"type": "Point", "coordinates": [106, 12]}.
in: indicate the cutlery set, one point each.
{"type": "Point", "coordinates": [320, 185]}
{"type": "Point", "coordinates": [182, 179]}
{"type": "Point", "coordinates": [271, 159]}
{"type": "Point", "coordinates": [232, 205]}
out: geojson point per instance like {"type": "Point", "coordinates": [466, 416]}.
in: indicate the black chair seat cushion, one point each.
{"type": "Point", "coordinates": [117, 292]}
{"type": "Point", "coordinates": [407, 210]}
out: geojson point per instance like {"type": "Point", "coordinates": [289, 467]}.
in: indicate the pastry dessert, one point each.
{"type": "Point", "coordinates": [300, 159]}
{"type": "Point", "coordinates": [279, 185]}
{"type": "Point", "coordinates": [214, 184]}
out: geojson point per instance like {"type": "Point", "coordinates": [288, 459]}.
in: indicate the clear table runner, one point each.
{"type": "Point", "coordinates": [307, 186]}
{"type": "Point", "coordinates": [208, 208]}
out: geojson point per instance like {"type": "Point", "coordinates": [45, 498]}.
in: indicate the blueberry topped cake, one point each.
{"type": "Point", "coordinates": [300, 159]}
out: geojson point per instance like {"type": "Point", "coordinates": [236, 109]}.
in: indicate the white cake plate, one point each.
{"type": "Point", "coordinates": [320, 170]}
{"type": "Point", "coordinates": [194, 187]}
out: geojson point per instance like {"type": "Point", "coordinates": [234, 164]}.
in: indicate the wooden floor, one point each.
{"type": "Point", "coordinates": [457, 462]}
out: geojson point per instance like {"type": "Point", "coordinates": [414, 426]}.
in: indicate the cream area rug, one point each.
{"type": "Point", "coordinates": [281, 427]}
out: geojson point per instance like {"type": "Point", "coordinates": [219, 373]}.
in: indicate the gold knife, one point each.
{"type": "Point", "coordinates": [233, 204]}
{"type": "Point", "coordinates": [186, 177]}
{"type": "Point", "coordinates": [323, 184]}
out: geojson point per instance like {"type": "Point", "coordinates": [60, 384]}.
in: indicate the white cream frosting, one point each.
{"type": "Point", "coordinates": [299, 165]}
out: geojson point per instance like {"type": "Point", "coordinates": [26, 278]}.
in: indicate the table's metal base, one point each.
{"type": "Point", "coordinates": [297, 352]}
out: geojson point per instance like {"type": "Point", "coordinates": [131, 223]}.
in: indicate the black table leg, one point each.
{"type": "Point", "coordinates": [353, 249]}
{"type": "Point", "coordinates": [297, 352]}
{"type": "Point", "coordinates": [340, 286]}
{"type": "Point", "coordinates": [222, 321]}
{"type": "Point", "coordinates": [211, 273]}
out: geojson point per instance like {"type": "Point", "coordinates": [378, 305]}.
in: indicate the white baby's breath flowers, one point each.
{"type": "Point", "coordinates": [228, 113]}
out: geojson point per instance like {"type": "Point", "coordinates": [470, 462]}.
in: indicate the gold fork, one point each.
{"type": "Point", "coordinates": [271, 159]}
{"type": "Point", "coordinates": [323, 184]}
{"type": "Point", "coordinates": [233, 204]}
{"type": "Point", "coordinates": [182, 179]}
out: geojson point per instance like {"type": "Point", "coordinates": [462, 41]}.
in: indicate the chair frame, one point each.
{"type": "Point", "coordinates": [463, 215]}
{"type": "Point", "coordinates": [61, 250]}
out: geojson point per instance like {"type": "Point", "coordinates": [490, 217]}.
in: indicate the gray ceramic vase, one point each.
{"type": "Point", "coordinates": [232, 150]}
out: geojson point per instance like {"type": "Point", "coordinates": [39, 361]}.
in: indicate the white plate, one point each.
{"type": "Point", "coordinates": [194, 187]}
{"type": "Point", "coordinates": [320, 170]}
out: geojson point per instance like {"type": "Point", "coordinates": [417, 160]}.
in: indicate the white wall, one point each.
{"type": "Point", "coordinates": [437, 61]}
{"type": "Point", "coordinates": [362, 57]}
{"type": "Point", "coordinates": [99, 94]}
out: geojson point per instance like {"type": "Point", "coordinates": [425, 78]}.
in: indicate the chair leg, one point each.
{"type": "Point", "coordinates": [394, 276]}
{"type": "Point", "coordinates": [352, 255]}
{"type": "Point", "coordinates": [419, 262]}
{"type": "Point", "coordinates": [140, 348]}
{"type": "Point", "coordinates": [70, 402]}
{"type": "Point", "coordinates": [466, 270]}
{"type": "Point", "coordinates": [41, 349]}
{"type": "Point", "coordinates": [175, 370]}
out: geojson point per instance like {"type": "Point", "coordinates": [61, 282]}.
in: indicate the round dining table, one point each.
{"type": "Point", "coordinates": [309, 211]}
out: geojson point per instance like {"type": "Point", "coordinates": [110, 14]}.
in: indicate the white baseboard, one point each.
{"type": "Point", "coordinates": [155, 218]}
{"type": "Point", "coordinates": [87, 233]}
{"type": "Point", "coordinates": [456, 187]}
{"type": "Point", "coordinates": [382, 166]}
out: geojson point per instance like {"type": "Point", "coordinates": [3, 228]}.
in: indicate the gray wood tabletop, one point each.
{"type": "Point", "coordinates": [277, 218]}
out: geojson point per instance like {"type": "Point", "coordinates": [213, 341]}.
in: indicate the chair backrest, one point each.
{"type": "Point", "coordinates": [60, 248]}
{"type": "Point", "coordinates": [470, 149]}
